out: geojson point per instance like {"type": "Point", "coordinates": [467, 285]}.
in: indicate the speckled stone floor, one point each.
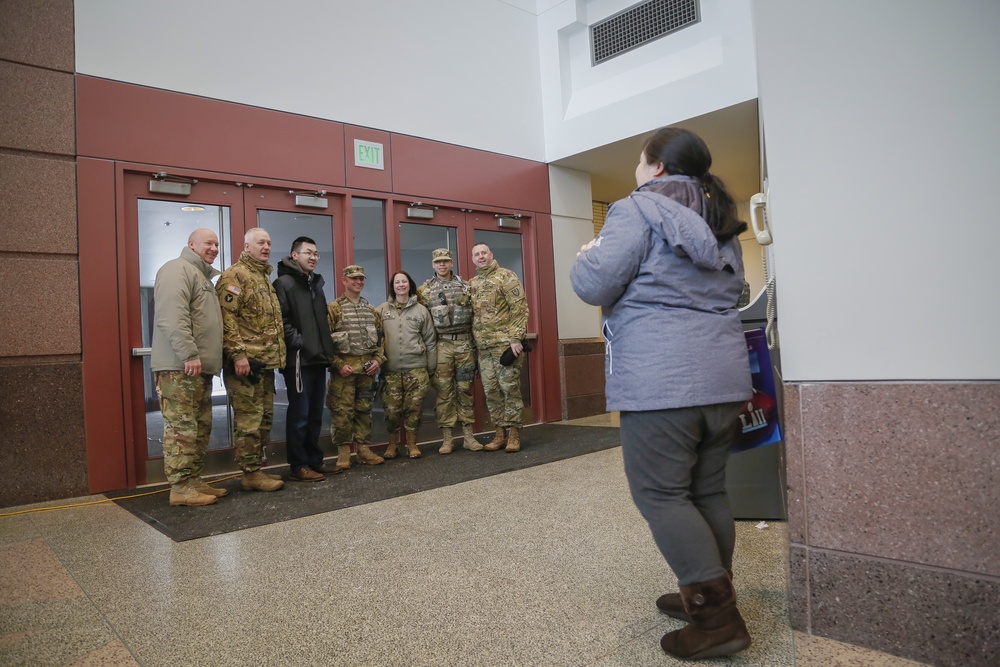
{"type": "Point", "coordinates": [551, 565]}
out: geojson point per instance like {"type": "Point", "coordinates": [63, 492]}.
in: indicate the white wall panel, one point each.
{"type": "Point", "coordinates": [880, 122]}
{"type": "Point", "coordinates": [572, 226]}
{"type": "Point", "coordinates": [702, 68]}
{"type": "Point", "coordinates": [458, 71]}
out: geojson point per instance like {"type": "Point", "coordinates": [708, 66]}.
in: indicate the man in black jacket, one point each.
{"type": "Point", "coordinates": [310, 348]}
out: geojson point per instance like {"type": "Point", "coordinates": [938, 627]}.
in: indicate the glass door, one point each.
{"type": "Point", "coordinates": [416, 242]}
{"type": "Point", "coordinates": [157, 230]}
{"type": "Point", "coordinates": [288, 215]}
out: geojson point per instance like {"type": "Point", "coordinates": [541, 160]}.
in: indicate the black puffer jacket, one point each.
{"type": "Point", "coordinates": [303, 312]}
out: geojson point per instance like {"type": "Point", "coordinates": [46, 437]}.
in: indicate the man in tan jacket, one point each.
{"type": "Point", "coordinates": [187, 352]}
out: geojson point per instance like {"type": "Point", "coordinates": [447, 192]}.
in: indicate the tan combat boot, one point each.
{"type": "Point", "coordinates": [186, 494]}
{"type": "Point", "coordinates": [390, 449]}
{"type": "Point", "coordinates": [343, 457]}
{"type": "Point", "coordinates": [498, 441]}
{"type": "Point", "coordinates": [447, 444]}
{"type": "Point", "coordinates": [411, 445]}
{"type": "Point", "coordinates": [469, 439]}
{"type": "Point", "coordinates": [204, 487]}
{"type": "Point", "coordinates": [367, 456]}
{"type": "Point", "coordinates": [259, 481]}
{"type": "Point", "coordinates": [513, 439]}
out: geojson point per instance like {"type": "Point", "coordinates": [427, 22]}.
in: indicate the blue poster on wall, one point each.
{"type": "Point", "coordinates": [759, 417]}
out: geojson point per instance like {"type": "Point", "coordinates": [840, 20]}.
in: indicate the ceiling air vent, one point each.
{"type": "Point", "coordinates": [640, 24]}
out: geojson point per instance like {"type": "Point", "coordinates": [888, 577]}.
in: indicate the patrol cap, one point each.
{"type": "Point", "coordinates": [354, 271]}
{"type": "Point", "coordinates": [440, 253]}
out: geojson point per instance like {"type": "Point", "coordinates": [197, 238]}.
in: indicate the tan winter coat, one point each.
{"type": "Point", "coordinates": [410, 339]}
{"type": "Point", "coordinates": [188, 323]}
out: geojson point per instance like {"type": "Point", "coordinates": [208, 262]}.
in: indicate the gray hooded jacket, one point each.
{"type": "Point", "coordinates": [668, 291]}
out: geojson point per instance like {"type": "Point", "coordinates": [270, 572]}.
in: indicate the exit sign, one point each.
{"type": "Point", "coordinates": [368, 154]}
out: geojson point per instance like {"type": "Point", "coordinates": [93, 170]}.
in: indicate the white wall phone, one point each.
{"type": "Point", "coordinates": [758, 218]}
{"type": "Point", "coordinates": [762, 230]}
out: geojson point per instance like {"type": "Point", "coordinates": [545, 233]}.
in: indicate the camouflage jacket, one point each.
{"type": "Point", "coordinates": [499, 307]}
{"type": "Point", "coordinates": [251, 315]}
{"type": "Point", "coordinates": [356, 329]}
{"type": "Point", "coordinates": [449, 304]}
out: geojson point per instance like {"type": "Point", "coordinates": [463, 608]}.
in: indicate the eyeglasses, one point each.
{"type": "Point", "coordinates": [307, 253]}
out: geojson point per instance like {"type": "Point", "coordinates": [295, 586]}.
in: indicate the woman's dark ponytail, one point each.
{"type": "Point", "coordinates": [683, 152]}
{"type": "Point", "coordinates": [721, 213]}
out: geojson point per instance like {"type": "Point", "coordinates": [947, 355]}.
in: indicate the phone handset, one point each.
{"type": "Point", "coordinates": [758, 218]}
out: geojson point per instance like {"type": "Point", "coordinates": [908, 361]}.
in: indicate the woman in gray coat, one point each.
{"type": "Point", "coordinates": [667, 270]}
{"type": "Point", "coordinates": [411, 358]}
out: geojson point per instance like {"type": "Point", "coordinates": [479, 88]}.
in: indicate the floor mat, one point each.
{"type": "Point", "coordinates": [544, 443]}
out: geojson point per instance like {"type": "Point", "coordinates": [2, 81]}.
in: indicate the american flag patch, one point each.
{"type": "Point", "coordinates": [234, 289]}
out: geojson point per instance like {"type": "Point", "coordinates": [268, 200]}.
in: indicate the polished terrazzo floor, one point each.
{"type": "Point", "coordinates": [551, 565]}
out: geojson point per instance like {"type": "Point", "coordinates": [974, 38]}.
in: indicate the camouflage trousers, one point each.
{"type": "Point", "coordinates": [350, 403]}
{"type": "Point", "coordinates": [456, 369]}
{"type": "Point", "coordinates": [186, 404]}
{"type": "Point", "coordinates": [404, 398]}
{"type": "Point", "coordinates": [502, 385]}
{"type": "Point", "coordinates": [253, 414]}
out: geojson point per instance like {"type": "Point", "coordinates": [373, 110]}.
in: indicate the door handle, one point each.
{"type": "Point", "coordinates": [142, 351]}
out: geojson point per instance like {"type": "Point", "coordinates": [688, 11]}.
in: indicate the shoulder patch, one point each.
{"type": "Point", "coordinates": [516, 292]}
{"type": "Point", "coordinates": [234, 289]}
{"type": "Point", "coordinates": [229, 297]}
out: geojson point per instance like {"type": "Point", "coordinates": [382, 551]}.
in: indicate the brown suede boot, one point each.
{"type": "Point", "coordinates": [716, 627]}
{"type": "Point", "coordinates": [513, 439]}
{"type": "Point", "coordinates": [259, 481]}
{"type": "Point", "coordinates": [672, 605]}
{"type": "Point", "coordinates": [343, 457]}
{"type": "Point", "coordinates": [186, 494]}
{"type": "Point", "coordinates": [498, 441]}
{"type": "Point", "coordinates": [447, 443]}
{"type": "Point", "coordinates": [204, 487]}
{"type": "Point", "coordinates": [367, 456]}
{"type": "Point", "coordinates": [469, 439]}
{"type": "Point", "coordinates": [411, 445]}
{"type": "Point", "coordinates": [390, 449]}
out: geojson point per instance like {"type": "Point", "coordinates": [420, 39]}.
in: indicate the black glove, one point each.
{"type": "Point", "coordinates": [507, 358]}
{"type": "Point", "coordinates": [255, 368]}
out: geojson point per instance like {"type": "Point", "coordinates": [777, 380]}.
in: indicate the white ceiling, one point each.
{"type": "Point", "coordinates": [732, 137]}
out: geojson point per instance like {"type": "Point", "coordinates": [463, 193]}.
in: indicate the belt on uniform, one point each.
{"type": "Point", "coordinates": [454, 336]}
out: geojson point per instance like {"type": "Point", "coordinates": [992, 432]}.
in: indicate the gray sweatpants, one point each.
{"type": "Point", "coordinates": [675, 462]}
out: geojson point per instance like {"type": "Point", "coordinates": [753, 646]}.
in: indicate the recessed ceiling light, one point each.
{"type": "Point", "coordinates": [191, 209]}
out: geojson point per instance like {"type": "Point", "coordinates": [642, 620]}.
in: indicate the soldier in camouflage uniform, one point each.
{"type": "Point", "coordinates": [499, 323]}
{"type": "Point", "coordinates": [356, 329]}
{"type": "Point", "coordinates": [446, 295]}
{"type": "Point", "coordinates": [254, 345]}
{"type": "Point", "coordinates": [411, 358]}
{"type": "Point", "coordinates": [187, 352]}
